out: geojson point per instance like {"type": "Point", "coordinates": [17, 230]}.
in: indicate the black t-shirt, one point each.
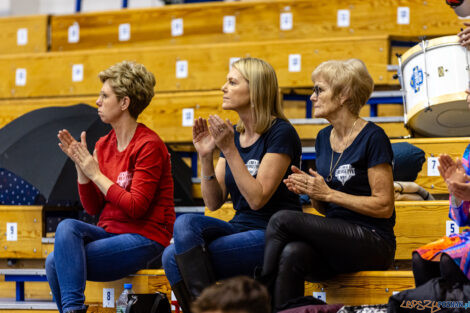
{"type": "Point", "coordinates": [371, 147]}
{"type": "Point", "coordinates": [280, 138]}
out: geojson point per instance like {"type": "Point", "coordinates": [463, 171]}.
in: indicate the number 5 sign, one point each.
{"type": "Point", "coordinates": [451, 228]}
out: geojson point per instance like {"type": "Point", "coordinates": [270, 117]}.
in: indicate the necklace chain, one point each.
{"type": "Point", "coordinates": [332, 168]}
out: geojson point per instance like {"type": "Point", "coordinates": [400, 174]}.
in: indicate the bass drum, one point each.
{"type": "Point", "coordinates": [434, 76]}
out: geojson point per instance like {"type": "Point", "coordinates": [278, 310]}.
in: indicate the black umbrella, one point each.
{"type": "Point", "coordinates": [29, 148]}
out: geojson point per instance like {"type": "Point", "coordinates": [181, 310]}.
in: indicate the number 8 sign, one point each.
{"type": "Point", "coordinates": [108, 297]}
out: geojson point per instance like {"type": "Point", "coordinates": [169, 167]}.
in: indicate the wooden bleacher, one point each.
{"type": "Point", "coordinates": [254, 21]}
{"type": "Point", "coordinates": [38, 293]}
{"type": "Point", "coordinates": [164, 114]}
{"type": "Point", "coordinates": [208, 75]}
{"type": "Point", "coordinates": [433, 147]}
{"type": "Point", "coordinates": [375, 287]}
{"type": "Point", "coordinates": [359, 288]}
{"type": "Point", "coordinates": [370, 36]}
{"type": "Point", "coordinates": [372, 287]}
{"type": "Point", "coordinates": [28, 228]}
{"type": "Point", "coordinates": [432, 216]}
{"type": "Point", "coordinates": [24, 34]}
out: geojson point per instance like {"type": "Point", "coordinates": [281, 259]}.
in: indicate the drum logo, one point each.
{"type": "Point", "coordinates": [440, 71]}
{"type": "Point", "coordinates": [416, 79]}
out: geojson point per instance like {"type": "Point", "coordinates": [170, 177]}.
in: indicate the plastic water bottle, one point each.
{"type": "Point", "coordinates": [121, 303]}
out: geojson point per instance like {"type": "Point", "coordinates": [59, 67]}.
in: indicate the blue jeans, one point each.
{"type": "Point", "coordinates": [87, 252]}
{"type": "Point", "coordinates": [232, 252]}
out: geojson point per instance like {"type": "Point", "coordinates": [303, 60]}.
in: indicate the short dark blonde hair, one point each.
{"type": "Point", "coordinates": [264, 92]}
{"type": "Point", "coordinates": [133, 80]}
{"type": "Point", "coordinates": [348, 78]}
{"type": "Point", "coordinates": [234, 295]}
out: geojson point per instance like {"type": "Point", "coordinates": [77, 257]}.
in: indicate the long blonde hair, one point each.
{"type": "Point", "coordinates": [264, 92]}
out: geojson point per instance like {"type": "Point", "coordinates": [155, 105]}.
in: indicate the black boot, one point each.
{"type": "Point", "coordinates": [79, 311]}
{"type": "Point", "coordinates": [196, 269]}
{"type": "Point", "coordinates": [182, 295]}
{"type": "Point", "coordinates": [266, 279]}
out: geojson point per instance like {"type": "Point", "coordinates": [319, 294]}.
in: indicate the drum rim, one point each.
{"type": "Point", "coordinates": [432, 44]}
{"type": "Point", "coordinates": [421, 106]}
{"type": "Point", "coordinates": [438, 130]}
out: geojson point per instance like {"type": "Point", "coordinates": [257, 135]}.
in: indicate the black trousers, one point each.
{"type": "Point", "coordinates": [424, 270]}
{"type": "Point", "coordinates": [303, 247]}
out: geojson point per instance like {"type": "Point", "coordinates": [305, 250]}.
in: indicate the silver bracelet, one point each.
{"type": "Point", "coordinates": [210, 177]}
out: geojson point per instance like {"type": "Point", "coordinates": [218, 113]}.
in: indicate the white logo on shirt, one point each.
{"type": "Point", "coordinates": [124, 179]}
{"type": "Point", "coordinates": [344, 173]}
{"type": "Point", "coordinates": [252, 166]}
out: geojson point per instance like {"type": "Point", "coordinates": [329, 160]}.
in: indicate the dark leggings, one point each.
{"type": "Point", "coordinates": [424, 270]}
{"type": "Point", "coordinates": [303, 246]}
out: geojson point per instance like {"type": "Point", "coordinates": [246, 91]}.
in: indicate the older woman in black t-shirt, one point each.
{"type": "Point", "coordinates": [352, 187]}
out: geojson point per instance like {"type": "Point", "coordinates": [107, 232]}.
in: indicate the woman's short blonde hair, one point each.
{"type": "Point", "coordinates": [133, 80]}
{"type": "Point", "coordinates": [264, 92]}
{"type": "Point", "coordinates": [347, 78]}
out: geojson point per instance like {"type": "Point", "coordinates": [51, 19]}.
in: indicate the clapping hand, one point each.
{"type": "Point", "coordinates": [222, 132]}
{"type": "Point", "coordinates": [451, 170]}
{"type": "Point", "coordinates": [455, 177]}
{"type": "Point", "coordinates": [464, 35]}
{"type": "Point", "coordinates": [85, 160]}
{"type": "Point", "coordinates": [312, 185]}
{"type": "Point", "coordinates": [66, 144]}
{"type": "Point", "coordinates": [202, 138]}
{"type": "Point", "coordinates": [66, 141]}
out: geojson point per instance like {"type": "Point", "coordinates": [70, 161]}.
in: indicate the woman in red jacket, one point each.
{"type": "Point", "coordinates": [127, 181]}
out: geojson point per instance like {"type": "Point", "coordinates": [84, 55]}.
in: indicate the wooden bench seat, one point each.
{"type": "Point", "coordinates": [432, 216]}
{"type": "Point", "coordinates": [20, 276]}
{"type": "Point", "coordinates": [254, 21]}
{"type": "Point", "coordinates": [24, 236]}
{"type": "Point", "coordinates": [144, 281]}
{"type": "Point", "coordinates": [370, 287]}
{"type": "Point", "coordinates": [207, 64]}
{"type": "Point", "coordinates": [164, 114]}
{"type": "Point", "coordinates": [28, 306]}
{"type": "Point", "coordinates": [23, 34]}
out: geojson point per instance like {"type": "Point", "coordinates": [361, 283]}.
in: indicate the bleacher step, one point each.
{"type": "Point", "coordinates": [368, 287]}
{"type": "Point", "coordinates": [11, 304]}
